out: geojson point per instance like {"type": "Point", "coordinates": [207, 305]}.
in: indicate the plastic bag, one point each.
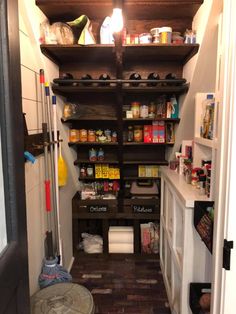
{"type": "Point", "coordinates": [92, 243]}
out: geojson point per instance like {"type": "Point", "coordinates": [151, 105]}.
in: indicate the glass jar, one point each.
{"type": "Point", "coordinates": [83, 135]}
{"type": "Point", "coordinates": [138, 133]}
{"type": "Point", "coordinates": [91, 136]}
{"type": "Point", "coordinates": [90, 171]}
{"type": "Point", "coordinates": [144, 111]}
{"type": "Point", "coordinates": [73, 135]}
{"type": "Point", "coordinates": [135, 108]}
{"type": "Point", "coordinates": [152, 110]}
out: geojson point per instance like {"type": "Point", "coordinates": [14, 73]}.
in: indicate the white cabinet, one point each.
{"type": "Point", "coordinates": [183, 257]}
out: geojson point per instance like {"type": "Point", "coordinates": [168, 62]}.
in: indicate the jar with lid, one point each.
{"type": "Point", "coordinates": [74, 135]}
{"type": "Point", "coordinates": [152, 110]}
{"type": "Point", "coordinates": [130, 134]}
{"type": "Point", "coordinates": [135, 108]}
{"type": "Point", "coordinates": [91, 136]}
{"type": "Point", "coordinates": [138, 133]}
{"type": "Point", "coordinates": [83, 135]}
{"type": "Point", "coordinates": [90, 171]}
{"type": "Point", "coordinates": [144, 111]}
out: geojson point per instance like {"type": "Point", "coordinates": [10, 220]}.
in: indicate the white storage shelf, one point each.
{"type": "Point", "coordinates": [183, 257]}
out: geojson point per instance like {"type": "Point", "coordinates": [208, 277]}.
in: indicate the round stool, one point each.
{"type": "Point", "coordinates": [62, 298]}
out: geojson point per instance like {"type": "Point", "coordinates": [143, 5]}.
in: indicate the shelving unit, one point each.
{"type": "Point", "coordinates": [204, 148]}
{"type": "Point", "coordinates": [103, 106]}
{"type": "Point", "coordinates": [183, 257]}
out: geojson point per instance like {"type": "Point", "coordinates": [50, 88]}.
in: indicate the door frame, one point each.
{"type": "Point", "coordinates": [14, 283]}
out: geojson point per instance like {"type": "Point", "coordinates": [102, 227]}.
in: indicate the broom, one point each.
{"type": "Point", "coordinates": [52, 272]}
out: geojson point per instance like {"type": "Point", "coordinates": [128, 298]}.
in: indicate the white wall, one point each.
{"type": "Point", "coordinates": [200, 71]}
{"type": "Point", "coordinates": [31, 61]}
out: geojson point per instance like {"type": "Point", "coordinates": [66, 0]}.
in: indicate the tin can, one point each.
{"type": "Point", "coordinates": [165, 35]}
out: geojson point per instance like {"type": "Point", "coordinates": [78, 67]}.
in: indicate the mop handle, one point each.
{"type": "Point", "coordinates": [47, 181]}
{"type": "Point", "coordinates": [41, 75]}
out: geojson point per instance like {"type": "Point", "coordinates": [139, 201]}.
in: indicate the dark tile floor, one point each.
{"type": "Point", "coordinates": [122, 284]}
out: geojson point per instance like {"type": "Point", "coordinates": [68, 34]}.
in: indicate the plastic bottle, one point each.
{"type": "Point", "coordinates": [106, 36]}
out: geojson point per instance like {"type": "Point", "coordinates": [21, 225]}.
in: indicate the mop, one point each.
{"type": "Point", "coordinates": [52, 272]}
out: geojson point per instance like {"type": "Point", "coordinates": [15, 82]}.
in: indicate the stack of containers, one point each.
{"type": "Point", "coordinates": [121, 239]}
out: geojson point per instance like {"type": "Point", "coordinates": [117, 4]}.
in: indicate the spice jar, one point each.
{"type": "Point", "coordinates": [91, 136]}
{"type": "Point", "coordinates": [130, 134]}
{"type": "Point", "coordinates": [83, 135]}
{"type": "Point", "coordinates": [135, 108]}
{"type": "Point", "coordinates": [138, 133]}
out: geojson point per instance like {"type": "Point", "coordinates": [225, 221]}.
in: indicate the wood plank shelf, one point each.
{"type": "Point", "coordinates": [146, 162]}
{"type": "Point", "coordinates": [62, 54]}
{"type": "Point", "coordinates": [168, 89]}
{"type": "Point", "coordinates": [86, 161]}
{"type": "Point", "coordinates": [66, 90]}
{"type": "Point", "coordinates": [76, 118]}
{"type": "Point", "coordinates": [92, 178]}
{"type": "Point", "coordinates": [140, 178]}
{"type": "Point", "coordinates": [93, 143]}
{"type": "Point", "coordinates": [130, 216]}
{"type": "Point", "coordinates": [145, 144]}
{"type": "Point", "coordinates": [176, 120]}
{"type": "Point", "coordinates": [160, 52]}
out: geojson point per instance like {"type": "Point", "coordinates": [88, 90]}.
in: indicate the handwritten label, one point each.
{"type": "Point", "coordinates": [97, 208]}
{"type": "Point", "coordinates": [143, 208]}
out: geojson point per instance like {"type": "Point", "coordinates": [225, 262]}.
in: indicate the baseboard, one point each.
{"type": "Point", "coordinates": [71, 264]}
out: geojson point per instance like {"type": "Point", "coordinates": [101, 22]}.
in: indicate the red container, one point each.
{"type": "Point", "coordinates": [147, 130]}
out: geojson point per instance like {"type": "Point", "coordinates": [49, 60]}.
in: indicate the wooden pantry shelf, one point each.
{"type": "Point", "coordinates": [87, 161]}
{"type": "Point", "coordinates": [176, 120]}
{"type": "Point", "coordinates": [145, 144]}
{"type": "Point", "coordinates": [62, 54]}
{"type": "Point", "coordinates": [93, 143]}
{"type": "Point", "coordinates": [146, 162]}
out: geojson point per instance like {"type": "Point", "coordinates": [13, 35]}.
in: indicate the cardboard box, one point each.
{"type": "Point", "coordinates": [98, 171]}
{"type": "Point", "coordinates": [105, 171]}
{"type": "Point", "coordinates": [155, 131]}
{"type": "Point", "coordinates": [147, 133]}
{"type": "Point", "coordinates": [161, 132]}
